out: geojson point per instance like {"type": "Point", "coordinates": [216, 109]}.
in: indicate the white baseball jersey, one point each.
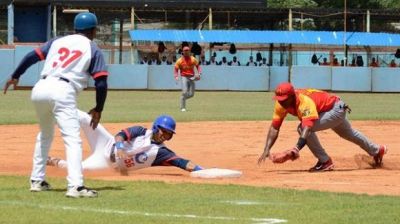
{"type": "Point", "coordinates": [142, 152]}
{"type": "Point", "coordinates": [73, 57]}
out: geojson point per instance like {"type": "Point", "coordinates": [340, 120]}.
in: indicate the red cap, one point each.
{"type": "Point", "coordinates": [186, 48]}
{"type": "Point", "coordinates": [283, 91]}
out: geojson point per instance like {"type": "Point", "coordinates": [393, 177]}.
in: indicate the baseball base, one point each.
{"type": "Point", "coordinates": [216, 173]}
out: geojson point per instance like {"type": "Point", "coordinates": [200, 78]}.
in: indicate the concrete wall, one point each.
{"type": "Point", "coordinates": [235, 78]}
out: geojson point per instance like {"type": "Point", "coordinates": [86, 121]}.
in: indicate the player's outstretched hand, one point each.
{"type": "Point", "coordinates": [263, 157]}
{"type": "Point", "coordinates": [9, 83]}
{"type": "Point", "coordinates": [95, 118]}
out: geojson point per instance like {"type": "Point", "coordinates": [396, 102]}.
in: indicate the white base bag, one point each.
{"type": "Point", "coordinates": [216, 173]}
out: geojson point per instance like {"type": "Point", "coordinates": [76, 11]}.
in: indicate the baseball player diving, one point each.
{"type": "Point", "coordinates": [317, 110]}
{"type": "Point", "coordinates": [131, 149]}
{"type": "Point", "coordinates": [186, 66]}
{"type": "Point", "coordinates": [69, 62]}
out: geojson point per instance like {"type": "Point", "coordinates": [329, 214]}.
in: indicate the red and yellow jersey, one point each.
{"type": "Point", "coordinates": [186, 66]}
{"type": "Point", "coordinates": [309, 104]}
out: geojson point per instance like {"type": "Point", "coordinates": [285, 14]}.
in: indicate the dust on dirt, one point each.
{"type": "Point", "coordinates": [237, 145]}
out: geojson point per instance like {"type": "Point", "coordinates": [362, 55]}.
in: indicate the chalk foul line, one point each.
{"type": "Point", "coordinates": [139, 213]}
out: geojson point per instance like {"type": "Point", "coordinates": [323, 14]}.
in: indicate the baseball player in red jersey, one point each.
{"type": "Point", "coordinates": [69, 62]}
{"type": "Point", "coordinates": [131, 149]}
{"type": "Point", "coordinates": [187, 65]}
{"type": "Point", "coordinates": [317, 110]}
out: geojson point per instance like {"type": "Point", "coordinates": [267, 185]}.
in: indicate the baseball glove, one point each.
{"type": "Point", "coordinates": [284, 156]}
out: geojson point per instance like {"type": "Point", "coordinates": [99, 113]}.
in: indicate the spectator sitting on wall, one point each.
{"type": "Point", "coordinates": [154, 60]}
{"type": "Point", "coordinates": [145, 61]}
{"type": "Point", "coordinates": [263, 62]}
{"type": "Point", "coordinates": [335, 62]}
{"type": "Point", "coordinates": [251, 62]}
{"type": "Point", "coordinates": [353, 62]}
{"type": "Point", "coordinates": [325, 62]}
{"type": "Point", "coordinates": [173, 59]}
{"type": "Point", "coordinates": [212, 61]}
{"type": "Point", "coordinates": [164, 61]}
{"type": "Point", "coordinates": [234, 62]}
{"type": "Point", "coordinates": [203, 60]}
{"type": "Point", "coordinates": [374, 63]}
{"type": "Point", "coordinates": [392, 64]}
{"type": "Point", "coordinates": [223, 61]}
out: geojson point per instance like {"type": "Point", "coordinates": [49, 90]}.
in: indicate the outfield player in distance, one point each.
{"type": "Point", "coordinates": [317, 110]}
{"type": "Point", "coordinates": [186, 65]}
{"type": "Point", "coordinates": [132, 148]}
{"type": "Point", "coordinates": [69, 62]}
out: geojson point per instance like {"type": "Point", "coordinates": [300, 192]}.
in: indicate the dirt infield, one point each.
{"type": "Point", "coordinates": [237, 145]}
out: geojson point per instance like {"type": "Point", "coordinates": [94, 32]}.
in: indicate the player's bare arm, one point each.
{"type": "Point", "coordinates": [30, 59]}
{"type": "Point", "coordinates": [272, 135]}
{"type": "Point", "coordinates": [9, 83]}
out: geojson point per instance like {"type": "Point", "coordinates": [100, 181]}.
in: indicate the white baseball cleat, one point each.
{"type": "Point", "coordinates": [81, 191]}
{"type": "Point", "coordinates": [183, 110]}
{"type": "Point", "coordinates": [39, 185]}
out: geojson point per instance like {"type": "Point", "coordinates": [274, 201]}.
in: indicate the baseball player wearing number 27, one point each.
{"type": "Point", "coordinates": [131, 149]}
{"type": "Point", "coordinates": [317, 110]}
{"type": "Point", "coordinates": [69, 62]}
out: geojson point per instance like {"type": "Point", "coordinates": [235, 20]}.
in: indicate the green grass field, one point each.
{"type": "Point", "coordinates": [158, 202]}
{"type": "Point", "coordinates": [135, 106]}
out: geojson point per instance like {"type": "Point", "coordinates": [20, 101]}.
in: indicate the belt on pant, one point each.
{"type": "Point", "coordinates": [60, 78]}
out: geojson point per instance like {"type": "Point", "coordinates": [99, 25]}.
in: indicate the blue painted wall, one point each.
{"type": "Point", "coordinates": [243, 78]}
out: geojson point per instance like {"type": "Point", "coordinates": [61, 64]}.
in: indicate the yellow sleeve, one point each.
{"type": "Point", "coordinates": [278, 115]}
{"type": "Point", "coordinates": [307, 111]}
{"type": "Point", "coordinates": [178, 63]}
{"type": "Point", "coordinates": [195, 61]}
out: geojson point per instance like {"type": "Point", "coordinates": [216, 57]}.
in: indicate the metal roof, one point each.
{"type": "Point", "coordinates": [266, 37]}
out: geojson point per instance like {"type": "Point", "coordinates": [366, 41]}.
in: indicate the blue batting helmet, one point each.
{"type": "Point", "coordinates": [165, 122]}
{"type": "Point", "coordinates": [84, 21]}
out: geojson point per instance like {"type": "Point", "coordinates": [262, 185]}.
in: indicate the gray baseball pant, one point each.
{"type": "Point", "coordinates": [188, 88]}
{"type": "Point", "coordinates": [336, 120]}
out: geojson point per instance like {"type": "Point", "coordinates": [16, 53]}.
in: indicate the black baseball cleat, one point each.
{"type": "Point", "coordinates": [320, 167]}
